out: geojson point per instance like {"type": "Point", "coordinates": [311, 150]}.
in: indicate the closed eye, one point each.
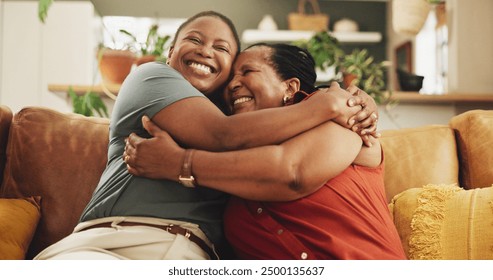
{"type": "Point", "coordinates": [193, 40]}
{"type": "Point", "coordinates": [247, 71]}
{"type": "Point", "coordinates": [222, 48]}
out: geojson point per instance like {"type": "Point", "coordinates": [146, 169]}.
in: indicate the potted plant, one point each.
{"type": "Point", "coordinates": [326, 52]}
{"type": "Point", "coordinates": [360, 69]}
{"type": "Point", "coordinates": [114, 64]}
{"type": "Point", "coordinates": [357, 68]}
{"type": "Point", "coordinates": [153, 49]}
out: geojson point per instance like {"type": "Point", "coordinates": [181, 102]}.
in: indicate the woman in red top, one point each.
{"type": "Point", "coordinates": [347, 218]}
{"type": "Point", "coordinates": [325, 198]}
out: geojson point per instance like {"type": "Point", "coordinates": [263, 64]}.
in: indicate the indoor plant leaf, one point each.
{"type": "Point", "coordinates": [43, 7]}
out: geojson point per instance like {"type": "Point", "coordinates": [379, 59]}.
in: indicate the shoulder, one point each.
{"type": "Point", "coordinates": [156, 80]}
{"type": "Point", "coordinates": [154, 69]}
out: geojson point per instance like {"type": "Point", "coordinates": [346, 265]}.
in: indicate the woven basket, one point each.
{"type": "Point", "coordinates": [313, 22]}
{"type": "Point", "coordinates": [409, 16]}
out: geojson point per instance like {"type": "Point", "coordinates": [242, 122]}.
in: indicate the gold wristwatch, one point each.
{"type": "Point", "coordinates": [186, 178]}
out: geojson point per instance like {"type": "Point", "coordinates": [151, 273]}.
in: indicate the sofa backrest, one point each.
{"type": "Point", "coordinates": [59, 157]}
{"type": "Point", "coordinates": [415, 157]}
{"type": "Point", "coordinates": [5, 122]}
{"type": "Point", "coordinates": [474, 134]}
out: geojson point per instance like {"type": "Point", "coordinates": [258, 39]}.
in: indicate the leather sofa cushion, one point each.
{"type": "Point", "coordinates": [60, 158]}
{"type": "Point", "coordinates": [474, 133]}
{"type": "Point", "coordinates": [415, 157]}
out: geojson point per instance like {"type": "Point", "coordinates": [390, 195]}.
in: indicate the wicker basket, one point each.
{"type": "Point", "coordinates": [313, 22]}
{"type": "Point", "coordinates": [409, 16]}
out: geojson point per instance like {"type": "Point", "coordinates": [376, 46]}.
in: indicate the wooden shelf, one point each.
{"type": "Point", "coordinates": [62, 89]}
{"type": "Point", "coordinates": [251, 36]}
{"type": "Point", "coordinates": [415, 97]}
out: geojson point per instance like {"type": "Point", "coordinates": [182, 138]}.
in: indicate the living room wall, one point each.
{"type": "Point", "coordinates": [370, 15]}
{"type": "Point", "coordinates": [33, 55]}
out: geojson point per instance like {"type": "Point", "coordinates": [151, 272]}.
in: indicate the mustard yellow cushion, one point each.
{"type": "Point", "coordinates": [473, 133]}
{"type": "Point", "coordinates": [18, 221]}
{"type": "Point", "coordinates": [445, 222]}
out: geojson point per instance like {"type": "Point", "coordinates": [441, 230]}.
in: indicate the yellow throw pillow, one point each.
{"type": "Point", "coordinates": [445, 222]}
{"type": "Point", "coordinates": [18, 221]}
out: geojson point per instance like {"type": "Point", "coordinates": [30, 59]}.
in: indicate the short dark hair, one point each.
{"type": "Point", "coordinates": [290, 61]}
{"type": "Point", "coordinates": [220, 16]}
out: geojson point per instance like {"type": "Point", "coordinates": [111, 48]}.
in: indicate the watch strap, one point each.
{"type": "Point", "coordinates": [186, 178]}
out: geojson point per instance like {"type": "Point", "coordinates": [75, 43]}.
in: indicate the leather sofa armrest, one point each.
{"type": "Point", "coordinates": [59, 157]}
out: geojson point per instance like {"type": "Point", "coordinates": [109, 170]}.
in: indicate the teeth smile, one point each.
{"type": "Point", "coordinates": [242, 100]}
{"type": "Point", "coordinates": [200, 67]}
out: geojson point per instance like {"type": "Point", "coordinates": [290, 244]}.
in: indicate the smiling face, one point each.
{"type": "Point", "coordinates": [255, 84]}
{"type": "Point", "coordinates": [204, 52]}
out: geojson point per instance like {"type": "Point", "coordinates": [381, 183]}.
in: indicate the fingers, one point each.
{"type": "Point", "coordinates": [366, 140]}
{"type": "Point", "coordinates": [132, 170]}
{"type": "Point", "coordinates": [356, 100]}
{"type": "Point", "coordinates": [129, 149]}
{"type": "Point", "coordinates": [129, 160]}
{"type": "Point", "coordinates": [150, 126]}
{"type": "Point", "coordinates": [353, 90]}
{"type": "Point", "coordinates": [367, 126]}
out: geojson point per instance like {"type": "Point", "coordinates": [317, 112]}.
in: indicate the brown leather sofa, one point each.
{"type": "Point", "coordinates": [56, 159]}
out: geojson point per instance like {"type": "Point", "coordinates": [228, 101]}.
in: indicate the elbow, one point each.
{"type": "Point", "coordinates": [293, 182]}
{"type": "Point", "coordinates": [301, 185]}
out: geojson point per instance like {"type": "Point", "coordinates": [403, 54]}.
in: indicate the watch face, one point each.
{"type": "Point", "coordinates": [188, 182]}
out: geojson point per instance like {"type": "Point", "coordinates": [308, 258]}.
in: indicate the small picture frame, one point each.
{"type": "Point", "coordinates": [403, 57]}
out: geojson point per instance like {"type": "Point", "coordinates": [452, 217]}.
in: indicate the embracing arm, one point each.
{"type": "Point", "coordinates": [195, 122]}
{"type": "Point", "coordinates": [282, 172]}
{"type": "Point", "coordinates": [291, 170]}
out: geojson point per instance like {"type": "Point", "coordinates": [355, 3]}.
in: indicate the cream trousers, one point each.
{"type": "Point", "coordinates": [127, 242]}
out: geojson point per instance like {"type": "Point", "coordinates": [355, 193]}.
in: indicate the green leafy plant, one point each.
{"type": "Point", "coordinates": [325, 49]}
{"type": "Point", "coordinates": [43, 7]}
{"type": "Point", "coordinates": [367, 74]}
{"type": "Point", "coordinates": [88, 103]}
{"type": "Point", "coordinates": [155, 45]}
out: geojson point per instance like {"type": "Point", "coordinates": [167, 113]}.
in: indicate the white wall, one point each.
{"type": "Point", "coordinates": [471, 45]}
{"type": "Point", "coordinates": [1, 47]}
{"type": "Point", "coordinates": [34, 55]}
{"type": "Point", "coordinates": [412, 115]}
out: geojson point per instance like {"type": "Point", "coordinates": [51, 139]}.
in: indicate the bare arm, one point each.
{"type": "Point", "coordinates": [291, 170]}
{"type": "Point", "coordinates": [282, 172]}
{"type": "Point", "coordinates": [196, 122]}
